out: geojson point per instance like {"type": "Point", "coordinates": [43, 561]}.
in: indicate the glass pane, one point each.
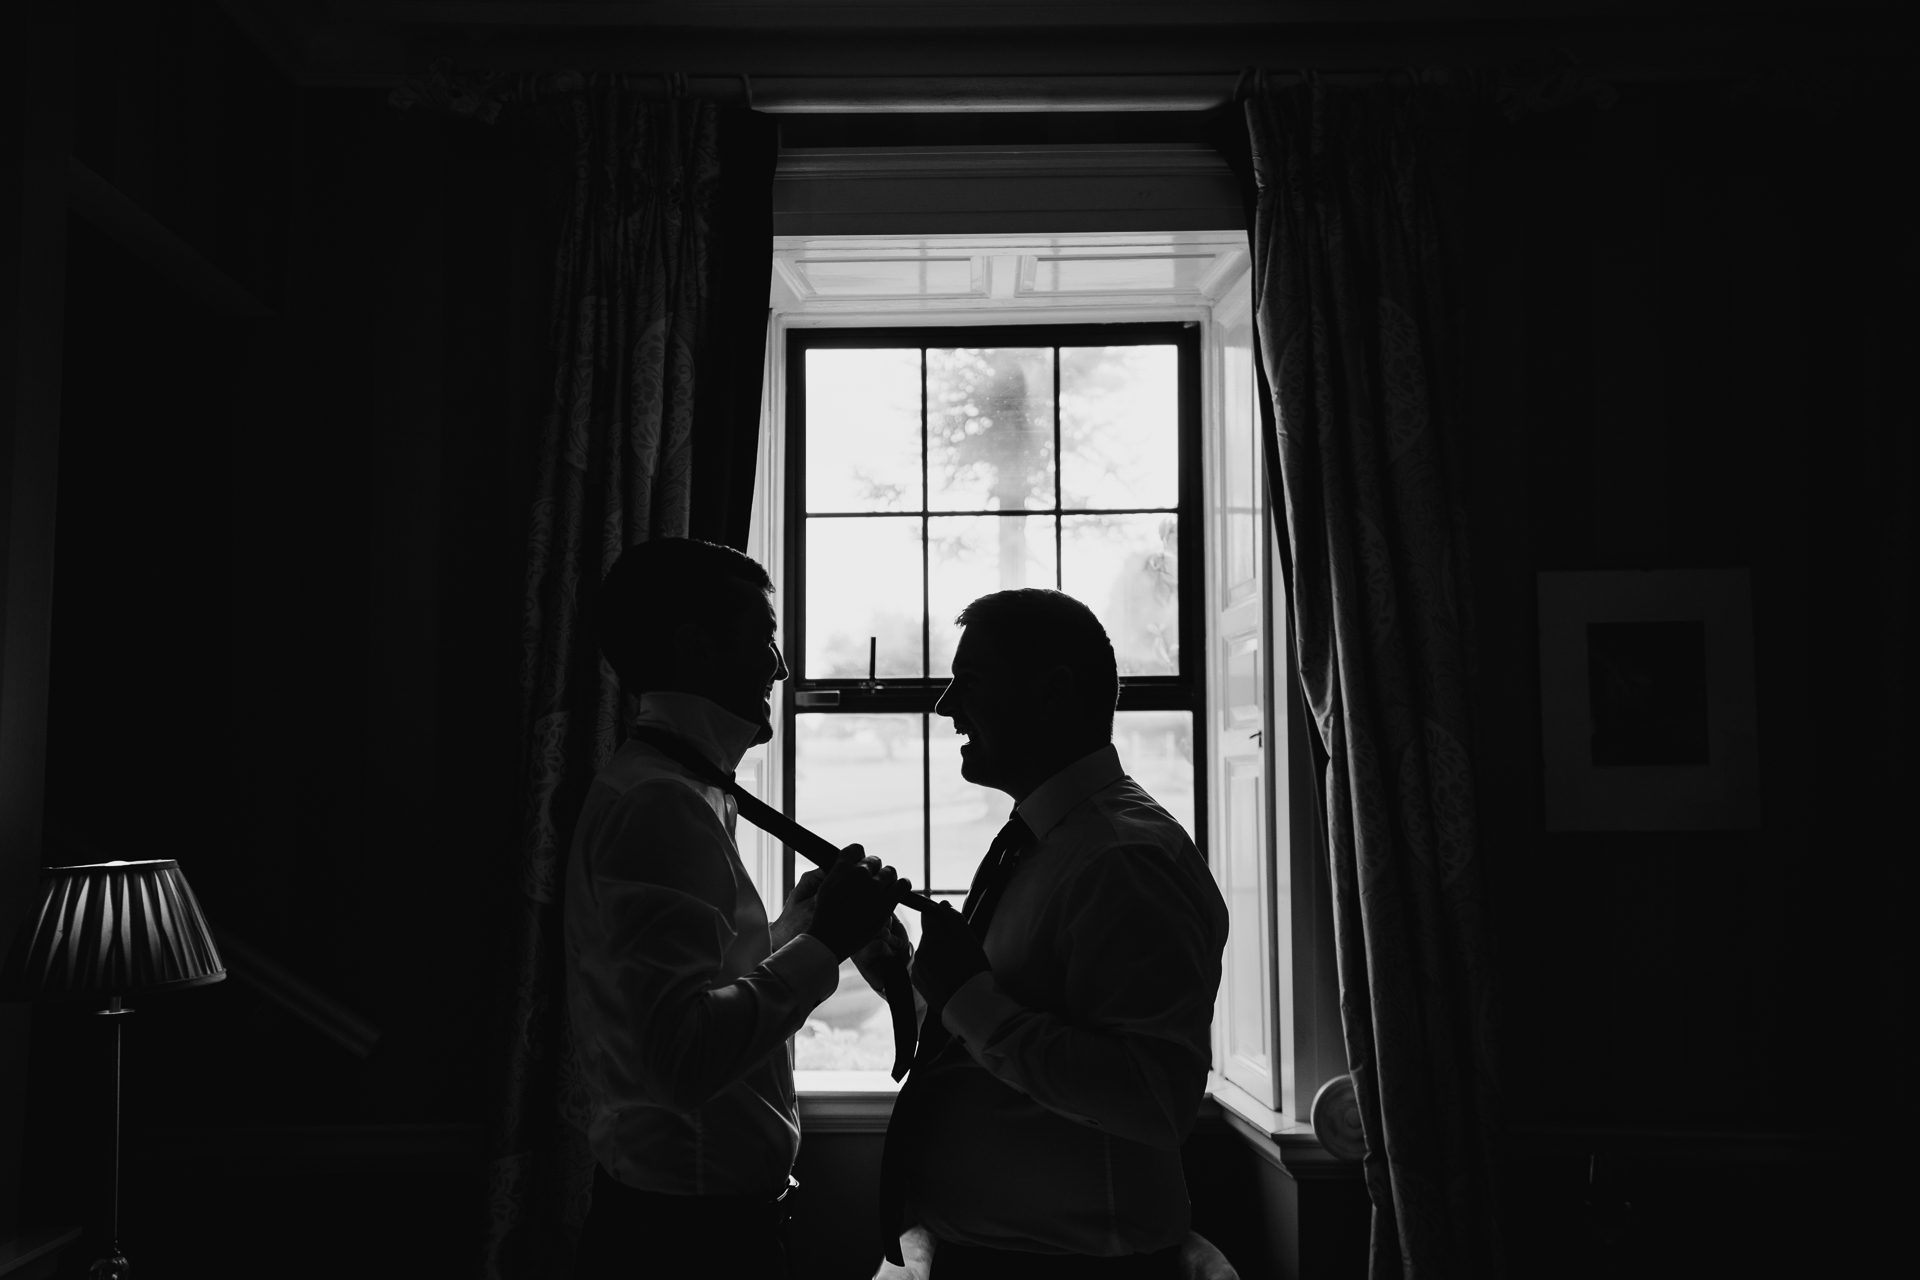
{"type": "Point", "coordinates": [863, 430]}
{"type": "Point", "coordinates": [760, 853]}
{"type": "Point", "coordinates": [966, 818]}
{"type": "Point", "coordinates": [863, 579]}
{"type": "Point", "coordinates": [850, 1030]}
{"type": "Point", "coordinates": [970, 556]}
{"type": "Point", "coordinates": [1127, 570]}
{"type": "Point", "coordinates": [1156, 750]}
{"type": "Point", "coordinates": [990, 429]}
{"type": "Point", "coordinates": [857, 778]}
{"type": "Point", "coordinates": [1120, 426]}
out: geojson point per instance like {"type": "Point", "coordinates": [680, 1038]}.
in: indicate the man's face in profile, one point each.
{"type": "Point", "coordinates": [744, 662]}
{"type": "Point", "coordinates": [989, 706]}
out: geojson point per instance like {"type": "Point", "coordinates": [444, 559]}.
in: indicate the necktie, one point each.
{"type": "Point", "coordinates": [995, 870]}
{"type": "Point", "coordinates": [893, 968]}
{"type": "Point", "coordinates": [990, 882]}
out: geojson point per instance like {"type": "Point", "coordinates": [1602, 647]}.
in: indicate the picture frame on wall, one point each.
{"type": "Point", "coordinates": [1647, 713]}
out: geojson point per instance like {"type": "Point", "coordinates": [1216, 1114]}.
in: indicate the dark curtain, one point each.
{"type": "Point", "coordinates": [1354, 295]}
{"type": "Point", "coordinates": [726, 414]}
{"type": "Point", "coordinates": [654, 308]}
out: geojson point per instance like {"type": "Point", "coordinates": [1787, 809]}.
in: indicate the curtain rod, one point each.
{"type": "Point", "coordinates": [1544, 80]}
{"type": "Point", "coordinates": [479, 91]}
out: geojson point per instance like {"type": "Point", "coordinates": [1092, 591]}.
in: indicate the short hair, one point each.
{"type": "Point", "coordinates": [656, 586]}
{"type": "Point", "coordinates": [1035, 627]}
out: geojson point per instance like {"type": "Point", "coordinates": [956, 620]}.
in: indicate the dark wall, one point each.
{"type": "Point", "coordinates": [1682, 354]}
{"type": "Point", "coordinates": [287, 598]}
{"type": "Point", "coordinates": [34, 90]}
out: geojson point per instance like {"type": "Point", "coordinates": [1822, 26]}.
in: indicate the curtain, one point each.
{"type": "Point", "coordinates": [726, 415]}
{"type": "Point", "coordinates": [1354, 299]}
{"type": "Point", "coordinates": [643, 315]}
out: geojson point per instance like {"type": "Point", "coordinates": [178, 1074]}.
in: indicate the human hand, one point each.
{"type": "Point", "coordinates": [796, 917]}
{"type": "Point", "coordinates": [1200, 1259]}
{"type": "Point", "coordinates": [949, 955]}
{"type": "Point", "coordinates": [892, 940]}
{"type": "Point", "coordinates": [854, 901]}
{"type": "Point", "coordinates": [917, 1246]}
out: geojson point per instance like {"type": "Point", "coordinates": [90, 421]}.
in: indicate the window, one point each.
{"type": "Point", "coordinates": [928, 467]}
{"type": "Point", "coordinates": [1276, 1026]}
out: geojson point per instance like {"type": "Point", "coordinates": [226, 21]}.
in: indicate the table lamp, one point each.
{"type": "Point", "coordinates": [108, 931]}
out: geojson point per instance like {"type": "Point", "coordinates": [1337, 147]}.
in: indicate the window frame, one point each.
{"type": "Point", "coordinates": [1185, 691]}
{"type": "Point", "coordinates": [1296, 924]}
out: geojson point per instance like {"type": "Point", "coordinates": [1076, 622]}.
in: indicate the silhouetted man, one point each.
{"type": "Point", "coordinates": [682, 996]}
{"type": "Point", "coordinates": [1042, 1136]}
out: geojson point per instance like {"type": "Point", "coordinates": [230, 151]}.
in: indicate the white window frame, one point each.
{"type": "Point", "coordinates": [1269, 1063]}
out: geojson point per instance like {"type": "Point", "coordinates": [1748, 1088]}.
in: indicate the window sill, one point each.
{"type": "Point", "coordinates": [844, 1101]}
{"type": "Point", "coordinates": [1288, 1145]}
{"type": "Point", "coordinates": [862, 1102]}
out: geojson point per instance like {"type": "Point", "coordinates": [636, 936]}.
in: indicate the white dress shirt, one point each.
{"type": "Point", "coordinates": [681, 1017]}
{"type": "Point", "coordinates": [1088, 1043]}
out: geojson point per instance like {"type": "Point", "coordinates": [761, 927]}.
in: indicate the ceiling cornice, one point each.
{"type": "Point", "coordinates": [921, 15]}
{"type": "Point", "coordinates": [881, 54]}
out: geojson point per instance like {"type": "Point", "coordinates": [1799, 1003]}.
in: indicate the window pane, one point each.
{"type": "Point", "coordinates": [1126, 569]}
{"type": "Point", "coordinates": [970, 556]}
{"type": "Point", "coordinates": [863, 430]}
{"type": "Point", "coordinates": [1156, 750]}
{"type": "Point", "coordinates": [990, 429]}
{"type": "Point", "coordinates": [760, 853]}
{"type": "Point", "coordinates": [851, 1030]}
{"type": "Point", "coordinates": [863, 579]}
{"type": "Point", "coordinates": [857, 778]}
{"type": "Point", "coordinates": [1120, 426]}
{"type": "Point", "coordinates": [966, 818]}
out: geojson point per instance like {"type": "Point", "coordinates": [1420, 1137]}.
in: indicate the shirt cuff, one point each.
{"type": "Point", "coordinates": [806, 965]}
{"type": "Point", "coordinates": [977, 1009]}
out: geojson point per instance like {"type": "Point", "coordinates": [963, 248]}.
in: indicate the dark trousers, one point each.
{"type": "Point", "coordinates": [971, 1262]}
{"type": "Point", "coordinates": [640, 1235]}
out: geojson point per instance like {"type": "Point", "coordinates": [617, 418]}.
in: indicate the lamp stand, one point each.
{"type": "Point", "coordinates": [115, 1265]}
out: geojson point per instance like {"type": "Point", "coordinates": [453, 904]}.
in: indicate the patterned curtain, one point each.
{"type": "Point", "coordinates": [1355, 304]}
{"type": "Point", "coordinates": [630, 312]}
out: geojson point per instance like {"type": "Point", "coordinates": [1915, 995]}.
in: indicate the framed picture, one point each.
{"type": "Point", "coordinates": [1646, 700]}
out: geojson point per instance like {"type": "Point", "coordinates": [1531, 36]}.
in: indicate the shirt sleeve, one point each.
{"type": "Point", "coordinates": [1143, 966]}
{"type": "Point", "coordinates": [664, 890]}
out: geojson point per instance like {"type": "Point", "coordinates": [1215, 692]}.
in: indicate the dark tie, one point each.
{"type": "Point", "coordinates": [995, 870]}
{"type": "Point", "coordinates": [936, 1042]}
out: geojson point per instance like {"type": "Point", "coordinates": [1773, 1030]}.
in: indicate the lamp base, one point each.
{"type": "Point", "coordinates": [114, 1268]}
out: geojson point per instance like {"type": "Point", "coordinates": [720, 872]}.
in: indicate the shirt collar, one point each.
{"type": "Point", "coordinates": [721, 736]}
{"type": "Point", "coordinates": [1059, 795]}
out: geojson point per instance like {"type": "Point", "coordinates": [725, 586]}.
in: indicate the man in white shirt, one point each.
{"type": "Point", "coordinates": [682, 996]}
{"type": "Point", "coordinates": [1066, 1046]}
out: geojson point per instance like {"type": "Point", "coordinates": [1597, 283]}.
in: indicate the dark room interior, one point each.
{"type": "Point", "coordinates": [279, 338]}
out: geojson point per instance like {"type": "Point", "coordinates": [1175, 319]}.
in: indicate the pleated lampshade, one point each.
{"type": "Point", "coordinates": [111, 929]}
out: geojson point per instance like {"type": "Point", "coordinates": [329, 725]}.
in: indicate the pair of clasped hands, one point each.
{"type": "Point", "coordinates": [848, 908]}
